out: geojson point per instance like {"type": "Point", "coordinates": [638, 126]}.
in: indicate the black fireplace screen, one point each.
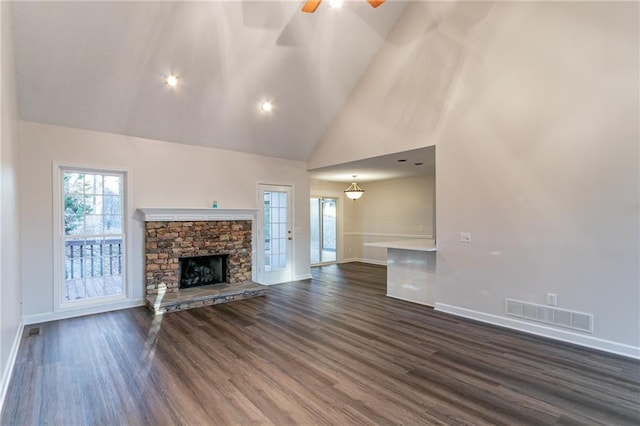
{"type": "Point", "coordinates": [203, 270]}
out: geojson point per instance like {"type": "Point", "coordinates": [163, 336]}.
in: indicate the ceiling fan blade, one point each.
{"type": "Point", "coordinates": [375, 3]}
{"type": "Point", "coordinates": [311, 5]}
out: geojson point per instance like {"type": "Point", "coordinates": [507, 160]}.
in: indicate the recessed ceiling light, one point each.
{"type": "Point", "coordinates": [402, 161]}
{"type": "Point", "coordinates": [336, 4]}
{"type": "Point", "coordinates": [266, 106]}
{"type": "Point", "coordinates": [171, 80]}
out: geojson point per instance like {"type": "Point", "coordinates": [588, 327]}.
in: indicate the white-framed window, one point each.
{"type": "Point", "coordinates": [91, 249]}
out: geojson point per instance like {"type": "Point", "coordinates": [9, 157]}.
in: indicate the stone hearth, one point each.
{"type": "Point", "coordinates": [207, 295]}
{"type": "Point", "coordinates": [171, 234]}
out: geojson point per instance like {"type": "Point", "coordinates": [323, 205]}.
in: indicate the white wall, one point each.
{"type": "Point", "coordinates": [539, 160]}
{"type": "Point", "coordinates": [10, 291]}
{"type": "Point", "coordinates": [535, 117]}
{"type": "Point", "coordinates": [162, 174]}
{"type": "Point", "coordinates": [389, 210]}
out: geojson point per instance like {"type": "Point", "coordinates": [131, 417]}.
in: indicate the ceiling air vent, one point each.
{"type": "Point", "coordinates": [550, 315]}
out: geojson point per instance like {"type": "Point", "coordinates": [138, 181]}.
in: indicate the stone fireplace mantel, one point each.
{"type": "Point", "coordinates": [188, 215]}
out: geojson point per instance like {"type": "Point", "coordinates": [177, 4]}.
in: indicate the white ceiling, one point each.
{"type": "Point", "coordinates": [100, 66]}
{"type": "Point", "coordinates": [416, 162]}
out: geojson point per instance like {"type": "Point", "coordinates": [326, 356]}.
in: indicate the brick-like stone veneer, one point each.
{"type": "Point", "coordinates": [166, 242]}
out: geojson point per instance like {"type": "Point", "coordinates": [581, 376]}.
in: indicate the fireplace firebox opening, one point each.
{"type": "Point", "coordinates": [202, 270]}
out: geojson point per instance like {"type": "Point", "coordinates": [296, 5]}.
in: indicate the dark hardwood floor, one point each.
{"type": "Point", "coordinates": [333, 350]}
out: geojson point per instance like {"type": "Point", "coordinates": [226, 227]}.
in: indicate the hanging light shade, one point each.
{"type": "Point", "coordinates": [354, 192]}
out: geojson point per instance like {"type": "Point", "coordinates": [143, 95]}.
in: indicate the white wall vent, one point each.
{"type": "Point", "coordinates": [550, 315]}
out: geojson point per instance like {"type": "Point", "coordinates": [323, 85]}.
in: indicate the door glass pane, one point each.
{"type": "Point", "coordinates": [329, 230]}
{"type": "Point", "coordinates": [314, 211]}
{"type": "Point", "coordinates": [276, 228]}
{"type": "Point", "coordinates": [93, 246]}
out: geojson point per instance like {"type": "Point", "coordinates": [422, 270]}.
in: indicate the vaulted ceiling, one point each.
{"type": "Point", "coordinates": [101, 65]}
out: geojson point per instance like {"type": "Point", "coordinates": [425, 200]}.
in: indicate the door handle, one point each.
{"type": "Point", "coordinates": [289, 236]}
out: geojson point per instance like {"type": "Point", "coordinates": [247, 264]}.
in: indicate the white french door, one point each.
{"type": "Point", "coordinates": [274, 245]}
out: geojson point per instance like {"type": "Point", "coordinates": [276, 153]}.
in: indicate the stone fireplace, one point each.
{"type": "Point", "coordinates": [168, 241]}
{"type": "Point", "coordinates": [177, 241]}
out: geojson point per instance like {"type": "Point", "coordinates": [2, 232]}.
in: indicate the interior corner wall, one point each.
{"type": "Point", "coordinates": [399, 101]}
{"type": "Point", "coordinates": [10, 289]}
{"type": "Point", "coordinates": [394, 209]}
{"type": "Point", "coordinates": [161, 174]}
{"type": "Point", "coordinates": [538, 158]}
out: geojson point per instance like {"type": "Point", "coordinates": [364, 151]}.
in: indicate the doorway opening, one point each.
{"type": "Point", "coordinates": [323, 230]}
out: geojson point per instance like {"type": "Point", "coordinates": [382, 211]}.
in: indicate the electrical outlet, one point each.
{"type": "Point", "coordinates": [552, 299]}
{"type": "Point", "coordinates": [465, 237]}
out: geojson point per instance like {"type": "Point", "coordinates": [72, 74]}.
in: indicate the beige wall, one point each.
{"type": "Point", "coordinates": [535, 116]}
{"type": "Point", "coordinates": [10, 289]}
{"type": "Point", "coordinates": [162, 174]}
{"type": "Point", "coordinates": [394, 209]}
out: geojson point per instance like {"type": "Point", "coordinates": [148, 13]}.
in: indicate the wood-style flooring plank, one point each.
{"type": "Point", "coordinates": [333, 350]}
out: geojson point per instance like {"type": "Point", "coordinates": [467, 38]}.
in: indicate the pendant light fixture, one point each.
{"type": "Point", "coordinates": [354, 192]}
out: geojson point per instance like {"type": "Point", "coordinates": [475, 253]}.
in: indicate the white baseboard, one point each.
{"type": "Point", "coordinates": [408, 300]}
{"type": "Point", "coordinates": [72, 313]}
{"type": "Point", "coordinates": [11, 362]}
{"type": "Point", "coordinates": [302, 277]}
{"type": "Point", "coordinates": [371, 261]}
{"type": "Point", "coordinates": [544, 331]}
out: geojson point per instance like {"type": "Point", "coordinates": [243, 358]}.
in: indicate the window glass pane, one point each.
{"type": "Point", "coordinates": [111, 205]}
{"type": "Point", "coordinates": [73, 183]}
{"type": "Point", "coordinates": [93, 184]}
{"type": "Point", "coordinates": [283, 199]}
{"type": "Point", "coordinates": [73, 225]}
{"type": "Point", "coordinates": [87, 248]}
{"type": "Point", "coordinates": [274, 215]}
{"type": "Point", "coordinates": [107, 265]}
{"type": "Point", "coordinates": [93, 204]}
{"type": "Point", "coordinates": [282, 261]}
{"type": "Point", "coordinates": [93, 224]}
{"type": "Point", "coordinates": [283, 246]}
{"type": "Point", "coordinates": [88, 270]}
{"type": "Point", "coordinates": [112, 224]}
{"type": "Point", "coordinates": [74, 210]}
{"type": "Point", "coordinates": [113, 185]}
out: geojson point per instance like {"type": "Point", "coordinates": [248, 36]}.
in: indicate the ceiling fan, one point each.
{"type": "Point", "coordinates": [311, 5]}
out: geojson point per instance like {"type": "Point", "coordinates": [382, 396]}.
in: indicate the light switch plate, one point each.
{"type": "Point", "coordinates": [465, 237]}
